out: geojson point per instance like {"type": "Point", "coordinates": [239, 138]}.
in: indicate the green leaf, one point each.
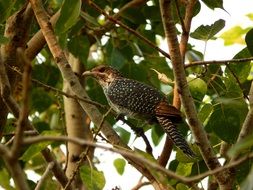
{"type": "Point", "coordinates": [55, 120]}
{"type": "Point", "coordinates": [156, 134]}
{"type": "Point", "coordinates": [184, 169]}
{"type": "Point", "coordinates": [41, 126]}
{"type": "Point", "coordinates": [92, 178]}
{"type": "Point", "coordinates": [144, 154]}
{"type": "Point", "coordinates": [248, 183]}
{"type": "Point", "coordinates": [234, 35]}
{"type": "Point", "coordinates": [46, 74]}
{"type": "Point", "coordinates": [70, 12]}
{"type": "Point", "coordinates": [6, 7]}
{"type": "Point", "coordinates": [241, 146]}
{"type": "Point", "coordinates": [117, 59]}
{"type": "Point", "coordinates": [79, 46]}
{"type": "Point", "coordinates": [181, 186]}
{"type": "Point", "coordinates": [216, 84]}
{"type": "Point", "coordinates": [206, 32]}
{"type": "Point", "coordinates": [124, 134]}
{"type": "Point", "coordinates": [213, 3]}
{"type": "Point", "coordinates": [149, 11]}
{"type": "Point", "coordinates": [40, 100]}
{"type": "Point", "coordinates": [243, 171]}
{"type": "Point", "coordinates": [35, 149]}
{"type": "Point", "coordinates": [5, 180]}
{"type": "Point", "coordinates": [242, 71]}
{"type": "Point", "coordinates": [119, 164]}
{"type": "Point", "coordinates": [250, 16]}
{"type": "Point", "coordinates": [194, 55]}
{"type": "Point", "coordinates": [225, 121]}
{"type": "Point", "coordinates": [205, 112]}
{"type": "Point", "coordinates": [4, 40]}
{"type": "Point", "coordinates": [134, 15]}
{"type": "Point", "coordinates": [89, 18]}
{"type": "Point", "coordinates": [249, 41]}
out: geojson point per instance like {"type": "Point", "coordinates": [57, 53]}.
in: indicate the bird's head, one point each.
{"type": "Point", "coordinates": [103, 74]}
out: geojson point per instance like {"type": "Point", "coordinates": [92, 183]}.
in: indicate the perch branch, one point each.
{"type": "Point", "coordinates": [187, 180]}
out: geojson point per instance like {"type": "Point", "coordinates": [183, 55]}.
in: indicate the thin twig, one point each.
{"type": "Point", "coordinates": [218, 62]}
{"type": "Point", "coordinates": [29, 132]}
{"type": "Point", "coordinates": [44, 176]}
{"type": "Point", "coordinates": [129, 29]}
{"type": "Point", "coordinates": [59, 91]}
{"type": "Point", "coordinates": [180, 17]}
{"type": "Point", "coordinates": [140, 185]}
{"type": "Point", "coordinates": [24, 112]}
{"type": "Point", "coordinates": [102, 121]}
{"type": "Point", "coordinates": [238, 81]}
{"type": "Point", "coordinates": [109, 24]}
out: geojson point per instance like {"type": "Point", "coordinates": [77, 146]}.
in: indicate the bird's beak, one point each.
{"type": "Point", "coordinates": [88, 73]}
{"type": "Point", "coordinates": [93, 74]}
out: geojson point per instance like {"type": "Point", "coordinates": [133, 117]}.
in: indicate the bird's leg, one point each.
{"type": "Point", "coordinates": [140, 133]}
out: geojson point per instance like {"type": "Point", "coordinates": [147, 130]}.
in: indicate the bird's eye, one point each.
{"type": "Point", "coordinates": [101, 70]}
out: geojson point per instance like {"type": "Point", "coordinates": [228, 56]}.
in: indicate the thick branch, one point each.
{"type": "Point", "coordinates": [186, 24]}
{"type": "Point", "coordinates": [186, 98]}
{"type": "Point", "coordinates": [37, 42]}
{"type": "Point", "coordinates": [17, 31]}
{"type": "Point", "coordinates": [76, 126]}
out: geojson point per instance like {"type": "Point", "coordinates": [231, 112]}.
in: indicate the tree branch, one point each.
{"type": "Point", "coordinates": [187, 180]}
{"type": "Point", "coordinates": [68, 95]}
{"type": "Point", "coordinates": [218, 62]}
{"type": "Point", "coordinates": [186, 98]}
{"type": "Point", "coordinates": [37, 42]}
{"type": "Point", "coordinates": [44, 176]}
{"type": "Point", "coordinates": [17, 31]}
{"type": "Point", "coordinates": [24, 112]}
{"type": "Point", "coordinates": [186, 25]}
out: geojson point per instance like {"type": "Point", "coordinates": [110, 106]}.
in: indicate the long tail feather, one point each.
{"type": "Point", "coordinates": [175, 136]}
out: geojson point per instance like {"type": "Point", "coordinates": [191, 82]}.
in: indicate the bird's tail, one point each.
{"type": "Point", "coordinates": [175, 136]}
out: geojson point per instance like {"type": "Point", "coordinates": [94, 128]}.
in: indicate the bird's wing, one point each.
{"type": "Point", "coordinates": [166, 110]}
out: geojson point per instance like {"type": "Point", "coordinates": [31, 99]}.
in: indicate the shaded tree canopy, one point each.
{"type": "Point", "coordinates": [53, 121]}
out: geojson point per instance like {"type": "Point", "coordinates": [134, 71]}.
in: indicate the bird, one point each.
{"type": "Point", "coordinates": [138, 100]}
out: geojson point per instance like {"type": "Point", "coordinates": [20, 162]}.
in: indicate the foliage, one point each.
{"type": "Point", "coordinates": [220, 91]}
